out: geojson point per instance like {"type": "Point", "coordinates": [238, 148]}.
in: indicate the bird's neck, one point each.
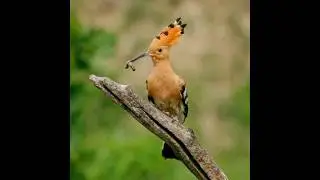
{"type": "Point", "coordinates": [163, 65]}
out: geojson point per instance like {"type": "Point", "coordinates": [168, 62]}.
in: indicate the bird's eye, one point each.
{"type": "Point", "coordinates": [160, 50]}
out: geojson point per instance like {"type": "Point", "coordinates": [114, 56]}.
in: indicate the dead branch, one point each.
{"type": "Point", "coordinates": [181, 139]}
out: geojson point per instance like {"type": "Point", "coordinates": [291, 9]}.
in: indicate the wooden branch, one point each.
{"type": "Point", "coordinates": [182, 140]}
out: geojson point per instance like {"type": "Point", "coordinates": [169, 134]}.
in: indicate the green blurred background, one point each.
{"type": "Point", "coordinates": [213, 56]}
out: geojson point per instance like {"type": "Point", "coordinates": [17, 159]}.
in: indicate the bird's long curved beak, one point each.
{"type": "Point", "coordinates": [129, 63]}
{"type": "Point", "coordinates": [139, 57]}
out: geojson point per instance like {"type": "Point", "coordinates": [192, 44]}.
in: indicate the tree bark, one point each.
{"type": "Point", "coordinates": [181, 139]}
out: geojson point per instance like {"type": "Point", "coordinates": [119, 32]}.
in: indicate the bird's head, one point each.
{"type": "Point", "coordinates": [159, 53]}
{"type": "Point", "coordinates": [160, 46]}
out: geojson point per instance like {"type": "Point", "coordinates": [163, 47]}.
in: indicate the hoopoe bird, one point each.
{"type": "Point", "coordinates": [166, 90]}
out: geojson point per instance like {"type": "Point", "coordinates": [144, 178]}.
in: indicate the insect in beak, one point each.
{"type": "Point", "coordinates": [130, 62]}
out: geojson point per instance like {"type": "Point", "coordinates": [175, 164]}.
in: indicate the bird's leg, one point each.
{"type": "Point", "coordinates": [175, 119]}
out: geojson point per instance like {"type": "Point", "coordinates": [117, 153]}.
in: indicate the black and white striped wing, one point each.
{"type": "Point", "coordinates": [184, 98]}
{"type": "Point", "coordinates": [150, 99]}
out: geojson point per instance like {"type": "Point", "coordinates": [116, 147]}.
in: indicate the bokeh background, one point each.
{"type": "Point", "coordinates": [213, 56]}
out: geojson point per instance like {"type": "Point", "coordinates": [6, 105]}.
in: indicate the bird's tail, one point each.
{"type": "Point", "coordinates": [168, 153]}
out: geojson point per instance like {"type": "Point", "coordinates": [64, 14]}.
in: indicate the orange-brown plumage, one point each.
{"type": "Point", "coordinates": [169, 36]}
{"type": "Point", "coordinates": [164, 87]}
{"type": "Point", "coordinates": [166, 90]}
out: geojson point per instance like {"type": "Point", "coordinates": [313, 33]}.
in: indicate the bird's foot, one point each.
{"type": "Point", "coordinates": [175, 120]}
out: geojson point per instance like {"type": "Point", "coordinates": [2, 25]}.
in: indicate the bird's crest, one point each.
{"type": "Point", "coordinates": [170, 35]}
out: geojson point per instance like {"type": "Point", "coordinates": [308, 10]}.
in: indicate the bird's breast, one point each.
{"type": "Point", "coordinates": [163, 89]}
